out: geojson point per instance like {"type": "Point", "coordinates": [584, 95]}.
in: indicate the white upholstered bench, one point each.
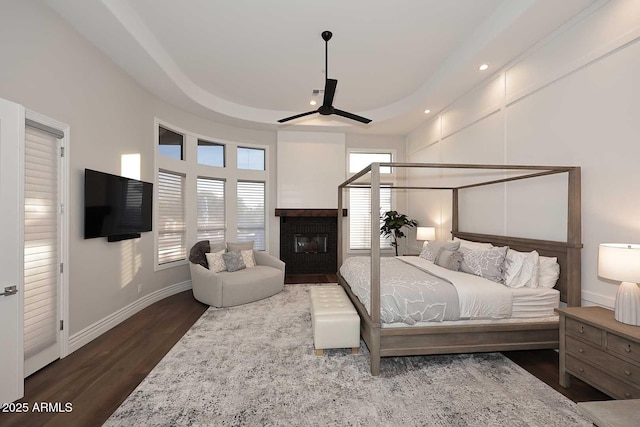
{"type": "Point", "coordinates": [335, 322]}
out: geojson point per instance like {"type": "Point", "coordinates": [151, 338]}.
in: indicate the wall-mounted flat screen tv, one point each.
{"type": "Point", "coordinates": [116, 207]}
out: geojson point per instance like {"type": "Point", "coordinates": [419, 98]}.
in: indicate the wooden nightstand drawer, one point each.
{"type": "Point", "coordinates": [623, 347]}
{"type": "Point", "coordinates": [604, 380]}
{"type": "Point", "coordinates": [608, 362]}
{"type": "Point", "coordinates": [584, 331]}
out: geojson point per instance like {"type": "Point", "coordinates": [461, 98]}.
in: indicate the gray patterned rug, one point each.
{"type": "Point", "coordinates": [254, 365]}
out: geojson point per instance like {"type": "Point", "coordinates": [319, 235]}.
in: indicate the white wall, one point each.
{"type": "Point", "coordinates": [311, 165]}
{"type": "Point", "coordinates": [52, 70]}
{"type": "Point", "coordinates": [572, 100]}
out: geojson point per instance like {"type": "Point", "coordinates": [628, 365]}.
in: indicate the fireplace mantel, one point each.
{"type": "Point", "coordinates": [307, 213]}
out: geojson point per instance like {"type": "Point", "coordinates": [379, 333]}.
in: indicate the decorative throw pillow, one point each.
{"type": "Point", "coordinates": [216, 262]}
{"type": "Point", "coordinates": [449, 259]}
{"type": "Point", "coordinates": [487, 263]}
{"type": "Point", "coordinates": [431, 251]}
{"type": "Point", "coordinates": [549, 272]}
{"type": "Point", "coordinates": [237, 247]}
{"type": "Point", "coordinates": [233, 261]}
{"type": "Point", "coordinates": [247, 257]}
{"type": "Point", "coordinates": [521, 269]}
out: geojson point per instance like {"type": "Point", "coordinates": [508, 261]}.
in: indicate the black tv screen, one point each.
{"type": "Point", "coordinates": [116, 206]}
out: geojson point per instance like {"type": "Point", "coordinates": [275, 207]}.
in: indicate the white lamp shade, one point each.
{"type": "Point", "coordinates": [426, 233]}
{"type": "Point", "coordinates": [619, 261]}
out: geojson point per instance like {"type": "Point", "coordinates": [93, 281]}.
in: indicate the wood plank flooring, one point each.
{"type": "Point", "coordinates": [97, 378]}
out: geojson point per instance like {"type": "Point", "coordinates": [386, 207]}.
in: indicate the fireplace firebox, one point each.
{"type": "Point", "coordinates": [309, 240]}
{"type": "Point", "coordinates": [310, 243]}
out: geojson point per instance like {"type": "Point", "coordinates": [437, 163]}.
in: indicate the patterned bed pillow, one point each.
{"type": "Point", "coordinates": [233, 261]}
{"type": "Point", "coordinates": [487, 263]}
{"type": "Point", "coordinates": [431, 251]}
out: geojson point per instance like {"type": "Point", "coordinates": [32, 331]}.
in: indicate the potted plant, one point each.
{"type": "Point", "coordinates": [393, 222]}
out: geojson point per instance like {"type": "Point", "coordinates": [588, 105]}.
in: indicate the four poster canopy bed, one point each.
{"type": "Point", "coordinates": [392, 324]}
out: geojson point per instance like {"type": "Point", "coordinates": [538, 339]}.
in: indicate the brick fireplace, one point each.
{"type": "Point", "coordinates": [309, 240]}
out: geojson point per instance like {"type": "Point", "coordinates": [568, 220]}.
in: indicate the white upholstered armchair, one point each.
{"type": "Point", "coordinates": [225, 289]}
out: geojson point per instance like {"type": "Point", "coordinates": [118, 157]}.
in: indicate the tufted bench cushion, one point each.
{"type": "Point", "coordinates": [335, 322]}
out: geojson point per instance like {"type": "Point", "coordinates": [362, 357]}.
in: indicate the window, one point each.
{"type": "Point", "coordinates": [251, 213]}
{"type": "Point", "coordinates": [205, 196]}
{"type": "Point", "coordinates": [359, 161]}
{"type": "Point", "coordinates": [171, 218]}
{"type": "Point", "coordinates": [360, 216]}
{"type": "Point", "coordinates": [210, 153]}
{"type": "Point", "coordinates": [251, 158]}
{"type": "Point", "coordinates": [211, 221]}
{"type": "Point", "coordinates": [170, 144]}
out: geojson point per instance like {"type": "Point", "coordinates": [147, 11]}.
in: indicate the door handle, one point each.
{"type": "Point", "coordinates": [10, 290]}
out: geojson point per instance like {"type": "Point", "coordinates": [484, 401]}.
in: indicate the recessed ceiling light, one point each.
{"type": "Point", "coordinates": [483, 67]}
{"type": "Point", "coordinates": [427, 111]}
{"type": "Point", "coordinates": [313, 102]}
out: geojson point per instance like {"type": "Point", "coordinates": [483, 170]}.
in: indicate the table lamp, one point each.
{"type": "Point", "coordinates": [621, 262]}
{"type": "Point", "coordinates": [426, 234]}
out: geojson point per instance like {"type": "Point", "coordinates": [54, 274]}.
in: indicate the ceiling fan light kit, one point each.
{"type": "Point", "coordinates": [327, 108]}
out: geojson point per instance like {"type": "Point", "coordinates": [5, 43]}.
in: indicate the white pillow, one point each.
{"type": "Point", "coordinates": [468, 244]}
{"type": "Point", "coordinates": [549, 272]}
{"type": "Point", "coordinates": [522, 269]}
{"type": "Point", "coordinates": [247, 257]}
{"type": "Point", "coordinates": [215, 261]}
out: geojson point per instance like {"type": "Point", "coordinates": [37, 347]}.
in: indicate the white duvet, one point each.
{"type": "Point", "coordinates": [478, 298]}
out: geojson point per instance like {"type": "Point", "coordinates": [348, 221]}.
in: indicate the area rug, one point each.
{"type": "Point", "coordinates": [254, 365]}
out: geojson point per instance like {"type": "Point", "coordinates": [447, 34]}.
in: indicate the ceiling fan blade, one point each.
{"type": "Point", "coordinates": [329, 92]}
{"type": "Point", "coordinates": [297, 116]}
{"type": "Point", "coordinates": [351, 116]}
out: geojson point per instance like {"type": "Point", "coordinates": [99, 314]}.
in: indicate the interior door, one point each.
{"type": "Point", "coordinates": [11, 254]}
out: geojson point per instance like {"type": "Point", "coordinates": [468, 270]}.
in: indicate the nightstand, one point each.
{"type": "Point", "coordinates": [600, 351]}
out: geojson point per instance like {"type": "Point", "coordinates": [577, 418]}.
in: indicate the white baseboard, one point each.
{"type": "Point", "coordinates": [92, 332]}
{"type": "Point", "coordinates": [598, 299]}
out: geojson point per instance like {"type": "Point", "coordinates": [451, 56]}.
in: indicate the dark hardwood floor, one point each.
{"type": "Point", "coordinates": [97, 378]}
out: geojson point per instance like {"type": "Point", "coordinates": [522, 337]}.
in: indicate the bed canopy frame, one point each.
{"type": "Point", "coordinates": [467, 338]}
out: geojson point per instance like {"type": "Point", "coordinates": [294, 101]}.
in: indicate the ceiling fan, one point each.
{"type": "Point", "coordinates": [327, 108]}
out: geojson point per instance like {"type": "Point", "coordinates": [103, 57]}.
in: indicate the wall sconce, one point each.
{"type": "Point", "coordinates": [621, 262]}
{"type": "Point", "coordinates": [426, 234]}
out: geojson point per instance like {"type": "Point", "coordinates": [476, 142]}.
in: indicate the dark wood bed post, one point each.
{"type": "Point", "coordinates": [574, 239]}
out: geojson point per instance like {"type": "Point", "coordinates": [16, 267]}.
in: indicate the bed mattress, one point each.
{"type": "Point", "coordinates": [534, 302]}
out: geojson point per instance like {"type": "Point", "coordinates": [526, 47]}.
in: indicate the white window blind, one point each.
{"type": "Point", "coordinates": [171, 218]}
{"type": "Point", "coordinates": [41, 261]}
{"type": "Point", "coordinates": [360, 216]}
{"type": "Point", "coordinates": [251, 213]}
{"type": "Point", "coordinates": [211, 222]}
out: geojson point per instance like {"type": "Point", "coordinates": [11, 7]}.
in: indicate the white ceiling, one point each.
{"type": "Point", "coordinates": [252, 62]}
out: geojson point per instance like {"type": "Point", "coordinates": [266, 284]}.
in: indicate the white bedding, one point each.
{"type": "Point", "coordinates": [480, 298]}
{"type": "Point", "coordinates": [525, 302]}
